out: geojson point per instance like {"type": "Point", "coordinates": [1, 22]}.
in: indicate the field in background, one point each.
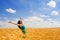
{"type": "Point", "coordinates": [32, 34]}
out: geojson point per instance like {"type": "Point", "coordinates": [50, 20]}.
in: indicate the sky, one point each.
{"type": "Point", "coordinates": [34, 13]}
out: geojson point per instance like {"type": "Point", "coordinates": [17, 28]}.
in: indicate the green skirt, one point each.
{"type": "Point", "coordinates": [23, 28]}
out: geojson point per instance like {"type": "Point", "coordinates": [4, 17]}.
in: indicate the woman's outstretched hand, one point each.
{"type": "Point", "coordinates": [10, 22]}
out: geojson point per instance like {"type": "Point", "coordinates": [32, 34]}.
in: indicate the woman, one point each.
{"type": "Point", "coordinates": [20, 26]}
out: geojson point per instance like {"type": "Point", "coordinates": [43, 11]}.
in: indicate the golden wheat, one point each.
{"type": "Point", "coordinates": [32, 34]}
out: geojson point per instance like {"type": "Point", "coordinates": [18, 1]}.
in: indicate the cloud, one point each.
{"type": "Point", "coordinates": [52, 21]}
{"type": "Point", "coordinates": [33, 22]}
{"type": "Point", "coordinates": [52, 4]}
{"type": "Point", "coordinates": [44, 16]}
{"type": "Point", "coordinates": [55, 13]}
{"type": "Point", "coordinates": [10, 10]}
{"type": "Point", "coordinates": [6, 25]}
{"type": "Point", "coordinates": [0, 22]}
{"type": "Point", "coordinates": [33, 18]}
{"type": "Point", "coordinates": [37, 22]}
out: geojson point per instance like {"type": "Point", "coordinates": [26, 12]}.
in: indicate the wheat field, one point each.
{"type": "Point", "coordinates": [32, 34]}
